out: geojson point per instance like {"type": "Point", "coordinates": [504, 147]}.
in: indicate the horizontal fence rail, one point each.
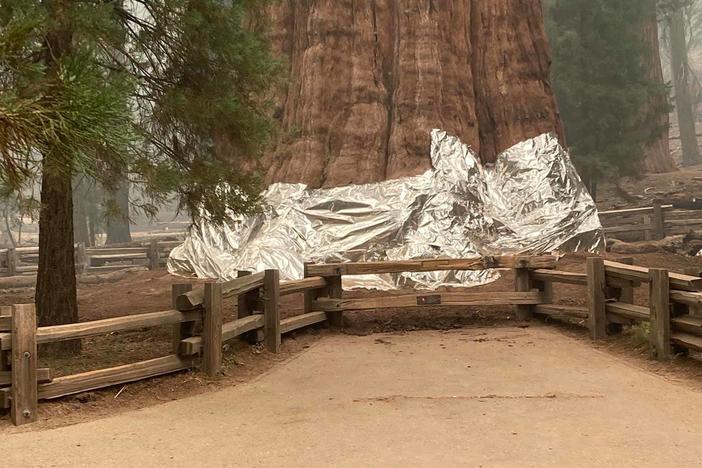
{"type": "Point", "coordinates": [673, 311]}
{"type": "Point", "coordinates": [402, 266]}
{"type": "Point", "coordinates": [650, 223]}
{"type": "Point", "coordinates": [429, 300]}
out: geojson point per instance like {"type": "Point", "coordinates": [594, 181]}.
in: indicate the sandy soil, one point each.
{"type": "Point", "coordinates": [503, 396]}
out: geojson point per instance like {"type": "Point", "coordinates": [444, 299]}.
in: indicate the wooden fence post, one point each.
{"type": "Point", "coordinates": [271, 309]}
{"type": "Point", "coordinates": [658, 221]}
{"type": "Point", "coordinates": [153, 255]}
{"type": "Point", "coordinates": [185, 329]}
{"type": "Point", "coordinates": [682, 309]}
{"type": "Point", "coordinates": [522, 283]}
{"type": "Point", "coordinates": [659, 302]}
{"type": "Point", "coordinates": [246, 305]}
{"type": "Point", "coordinates": [623, 294]}
{"type": "Point", "coordinates": [596, 283]}
{"type": "Point", "coordinates": [648, 234]}
{"type": "Point", "coordinates": [24, 364]}
{"type": "Point", "coordinates": [309, 295]}
{"type": "Point", "coordinates": [212, 330]}
{"type": "Point", "coordinates": [546, 288]}
{"type": "Point", "coordinates": [333, 290]}
{"type": "Point", "coordinates": [12, 262]}
{"type": "Point", "coordinates": [5, 356]}
{"type": "Point", "coordinates": [243, 303]}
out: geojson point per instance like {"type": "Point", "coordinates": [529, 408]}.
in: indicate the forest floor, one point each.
{"type": "Point", "coordinates": [634, 192]}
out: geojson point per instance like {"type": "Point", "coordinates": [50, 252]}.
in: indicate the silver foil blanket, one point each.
{"type": "Point", "coordinates": [531, 201]}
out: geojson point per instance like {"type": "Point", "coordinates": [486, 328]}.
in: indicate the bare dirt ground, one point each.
{"type": "Point", "coordinates": [498, 396]}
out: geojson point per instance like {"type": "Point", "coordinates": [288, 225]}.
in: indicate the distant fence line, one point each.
{"type": "Point", "coordinates": [24, 260]}
{"type": "Point", "coordinates": [650, 223]}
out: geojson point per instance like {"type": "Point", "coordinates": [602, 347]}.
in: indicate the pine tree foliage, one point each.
{"type": "Point", "coordinates": [173, 93]}
{"type": "Point", "coordinates": [601, 85]}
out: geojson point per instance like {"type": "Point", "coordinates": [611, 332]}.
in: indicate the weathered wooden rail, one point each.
{"type": "Point", "coordinates": [24, 260]}
{"type": "Point", "coordinates": [22, 385]}
{"type": "Point", "coordinates": [200, 331]}
{"type": "Point", "coordinates": [673, 309]}
{"type": "Point", "coordinates": [650, 223]}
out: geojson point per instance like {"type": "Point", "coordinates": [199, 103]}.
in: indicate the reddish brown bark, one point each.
{"type": "Point", "coordinates": [370, 79]}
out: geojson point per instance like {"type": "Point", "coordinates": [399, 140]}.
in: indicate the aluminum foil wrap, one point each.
{"type": "Point", "coordinates": [531, 201]}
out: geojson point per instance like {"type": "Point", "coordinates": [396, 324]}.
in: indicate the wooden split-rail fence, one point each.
{"type": "Point", "coordinates": [650, 223]}
{"type": "Point", "coordinates": [24, 260]}
{"type": "Point", "coordinates": [199, 330]}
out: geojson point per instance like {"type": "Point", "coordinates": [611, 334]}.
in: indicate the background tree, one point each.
{"type": "Point", "coordinates": [172, 93]}
{"type": "Point", "coordinates": [677, 14]}
{"type": "Point", "coordinates": [602, 85]}
{"type": "Point", "coordinates": [117, 215]}
{"type": "Point", "coordinates": [15, 207]}
{"type": "Point", "coordinates": [88, 213]}
{"type": "Point", "coordinates": [657, 156]}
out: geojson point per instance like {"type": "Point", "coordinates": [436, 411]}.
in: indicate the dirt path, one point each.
{"type": "Point", "coordinates": [490, 397]}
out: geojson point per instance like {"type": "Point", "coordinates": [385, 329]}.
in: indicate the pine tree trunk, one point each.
{"type": "Point", "coordinates": [56, 299]}
{"type": "Point", "coordinates": [118, 223]}
{"type": "Point", "coordinates": [369, 80]}
{"type": "Point", "coordinates": [658, 157]}
{"type": "Point", "coordinates": [681, 81]}
{"type": "Point", "coordinates": [55, 294]}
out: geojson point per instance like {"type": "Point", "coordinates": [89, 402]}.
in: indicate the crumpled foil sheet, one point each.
{"type": "Point", "coordinates": [531, 201]}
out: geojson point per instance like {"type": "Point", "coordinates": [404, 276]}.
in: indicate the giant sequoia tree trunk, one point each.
{"type": "Point", "coordinates": [370, 79]}
{"type": "Point", "coordinates": [657, 158]}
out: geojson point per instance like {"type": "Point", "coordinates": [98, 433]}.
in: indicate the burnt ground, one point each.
{"type": "Point", "coordinates": [141, 292]}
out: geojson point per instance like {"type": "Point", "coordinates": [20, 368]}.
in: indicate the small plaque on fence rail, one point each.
{"type": "Point", "coordinates": [429, 300]}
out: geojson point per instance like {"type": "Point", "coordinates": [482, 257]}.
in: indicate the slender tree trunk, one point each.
{"type": "Point", "coordinates": [80, 214]}
{"type": "Point", "coordinates": [657, 158]}
{"type": "Point", "coordinates": [55, 296]}
{"type": "Point", "coordinates": [117, 226]}
{"type": "Point", "coordinates": [681, 80]}
{"type": "Point", "coordinates": [8, 229]}
{"type": "Point", "coordinates": [93, 223]}
{"type": "Point", "coordinates": [118, 223]}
